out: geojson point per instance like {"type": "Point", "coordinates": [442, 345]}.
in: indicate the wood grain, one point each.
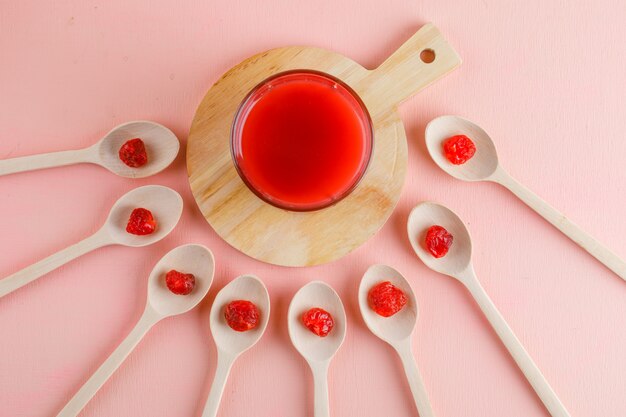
{"type": "Point", "coordinates": [282, 237]}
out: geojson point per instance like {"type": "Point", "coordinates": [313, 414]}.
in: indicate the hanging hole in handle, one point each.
{"type": "Point", "coordinates": [427, 56]}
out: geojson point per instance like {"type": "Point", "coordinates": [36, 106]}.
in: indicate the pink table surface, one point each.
{"type": "Point", "coordinates": [545, 78]}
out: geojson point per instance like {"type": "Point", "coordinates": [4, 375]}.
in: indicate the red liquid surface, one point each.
{"type": "Point", "coordinates": [302, 141]}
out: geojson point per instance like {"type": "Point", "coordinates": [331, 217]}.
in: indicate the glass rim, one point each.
{"type": "Point", "coordinates": [246, 106]}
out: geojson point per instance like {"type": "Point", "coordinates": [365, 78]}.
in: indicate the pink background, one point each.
{"type": "Point", "coordinates": [545, 78]}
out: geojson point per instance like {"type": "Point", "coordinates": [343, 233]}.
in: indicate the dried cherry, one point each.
{"type": "Point", "coordinates": [133, 153]}
{"type": "Point", "coordinates": [438, 241]}
{"type": "Point", "coordinates": [180, 283]}
{"type": "Point", "coordinates": [242, 315]}
{"type": "Point", "coordinates": [141, 222]}
{"type": "Point", "coordinates": [319, 321]}
{"type": "Point", "coordinates": [459, 149]}
{"type": "Point", "coordinates": [386, 299]}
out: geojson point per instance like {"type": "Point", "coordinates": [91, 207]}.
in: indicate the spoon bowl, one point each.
{"type": "Point", "coordinates": [312, 347]}
{"type": "Point", "coordinates": [165, 204]}
{"type": "Point", "coordinates": [162, 147]}
{"type": "Point", "coordinates": [398, 327]}
{"type": "Point", "coordinates": [459, 256]}
{"type": "Point", "coordinates": [245, 287]}
{"type": "Point", "coordinates": [189, 259]}
{"type": "Point", "coordinates": [480, 167]}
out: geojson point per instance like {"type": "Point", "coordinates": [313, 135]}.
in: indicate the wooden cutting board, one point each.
{"type": "Point", "coordinates": [289, 238]}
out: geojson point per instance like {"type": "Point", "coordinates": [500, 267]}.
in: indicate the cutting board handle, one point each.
{"type": "Point", "coordinates": [407, 71]}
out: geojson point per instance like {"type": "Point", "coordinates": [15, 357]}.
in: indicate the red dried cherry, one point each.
{"type": "Point", "coordinates": [141, 222]}
{"type": "Point", "coordinates": [179, 282]}
{"type": "Point", "coordinates": [438, 241]}
{"type": "Point", "coordinates": [459, 149]}
{"type": "Point", "coordinates": [242, 315]}
{"type": "Point", "coordinates": [386, 299]}
{"type": "Point", "coordinates": [133, 153]}
{"type": "Point", "coordinates": [319, 321]}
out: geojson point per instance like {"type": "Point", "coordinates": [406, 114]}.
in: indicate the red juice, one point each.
{"type": "Point", "coordinates": [302, 140]}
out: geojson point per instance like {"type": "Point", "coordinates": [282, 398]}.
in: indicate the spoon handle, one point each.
{"type": "Point", "coordinates": [321, 407]}
{"type": "Point", "coordinates": [34, 271]}
{"type": "Point", "coordinates": [224, 363]}
{"type": "Point", "coordinates": [44, 160]}
{"type": "Point", "coordinates": [104, 372]}
{"type": "Point", "coordinates": [514, 346]}
{"type": "Point", "coordinates": [415, 380]}
{"type": "Point", "coordinates": [566, 226]}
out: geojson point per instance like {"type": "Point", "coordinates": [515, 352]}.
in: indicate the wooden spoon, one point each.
{"type": "Point", "coordinates": [165, 204]}
{"type": "Point", "coordinates": [230, 343]}
{"type": "Point", "coordinates": [317, 351]}
{"type": "Point", "coordinates": [161, 145]}
{"type": "Point", "coordinates": [457, 263]}
{"type": "Point", "coordinates": [161, 303]}
{"type": "Point", "coordinates": [397, 329]}
{"type": "Point", "coordinates": [484, 166]}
